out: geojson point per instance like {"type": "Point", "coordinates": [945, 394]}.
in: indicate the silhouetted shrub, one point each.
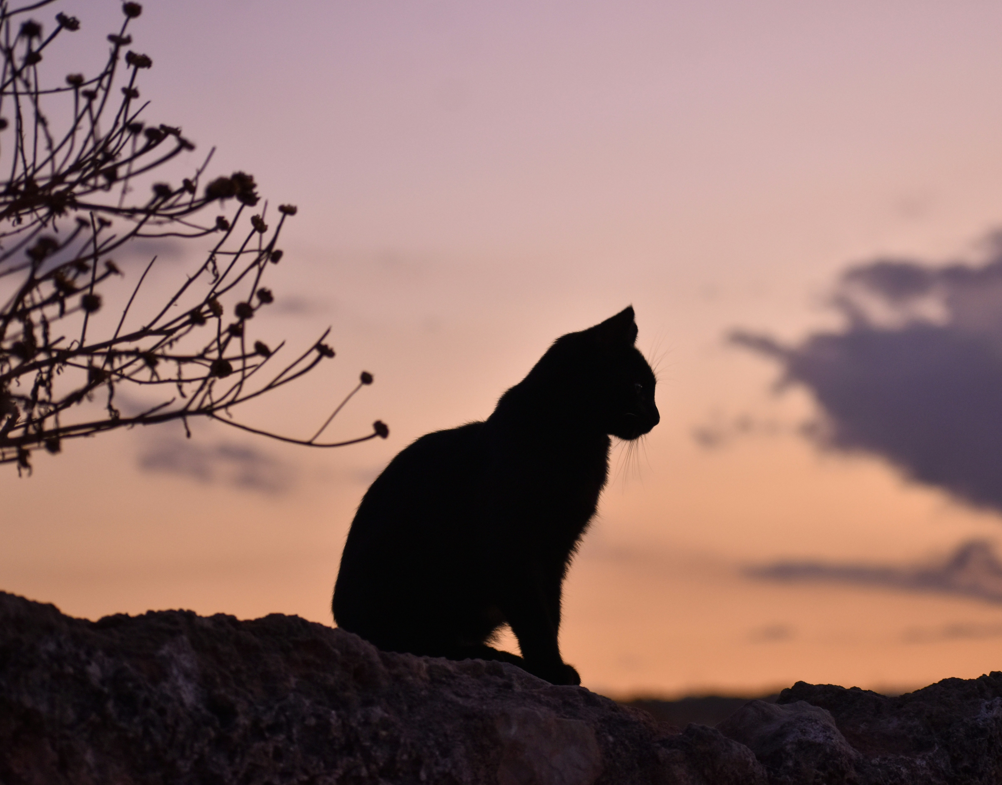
{"type": "Point", "coordinates": [70, 199]}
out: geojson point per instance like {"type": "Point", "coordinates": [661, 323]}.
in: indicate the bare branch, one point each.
{"type": "Point", "coordinates": [76, 194]}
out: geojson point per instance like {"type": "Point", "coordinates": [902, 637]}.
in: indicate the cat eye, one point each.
{"type": "Point", "coordinates": [638, 387]}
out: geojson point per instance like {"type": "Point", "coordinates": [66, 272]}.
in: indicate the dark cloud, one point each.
{"type": "Point", "coordinates": [915, 376]}
{"type": "Point", "coordinates": [222, 462]}
{"type": "Point", "coordinates": [972, 570]}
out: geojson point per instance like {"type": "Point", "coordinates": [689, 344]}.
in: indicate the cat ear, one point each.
{"type": "Point", "coordinates": [618, 329]}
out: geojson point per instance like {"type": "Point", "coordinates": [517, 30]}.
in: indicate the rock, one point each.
{"type": "Point", "coordinates": [542, 748]}
{"type": "Point", "coordinates": [172, 697]}
{"type": "Point", "coordinates": [797, 742]}
{"type": "Point", "coordinates": [701, 709]}
{"type": "Point", "coordinates": [949, 732]}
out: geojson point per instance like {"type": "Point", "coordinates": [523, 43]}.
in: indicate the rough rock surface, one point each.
{"type": "Point", "coordinates": [798, 742]}
{"type": "Point", "coordinates": [950, 731]}
{"type": "Point", "coordinates": [172, 697]}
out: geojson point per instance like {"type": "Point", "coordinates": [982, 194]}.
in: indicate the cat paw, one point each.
{"type": "Point", "coordinates": [571, 676]}
{"type": "Point", "coordinates": [562, 674]}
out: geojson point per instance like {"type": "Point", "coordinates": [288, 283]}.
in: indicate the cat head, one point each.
{"type": "Point", "coordinates": [598, 379]}
{"type": "Point", "coordinates": [624, 382]}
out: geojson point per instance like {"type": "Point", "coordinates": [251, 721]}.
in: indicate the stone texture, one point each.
{"type": "Point", "coordinates": [797, 742]}
{"type": "Point", "coordinates": [172, 697]}
{"type": "Point", "coordinates": [702, 709]}
{"type": "Point", "coordinates": [949, 732]}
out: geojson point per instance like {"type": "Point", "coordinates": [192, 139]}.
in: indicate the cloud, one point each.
{"type": "Point", "coordinates": [222, 462]}
{"type": "Point", "coordinates": [952, 632]}
{"type": "Point", "coordinates": [915, 375]}
{"type": "Point", "coordinates": [719, 431]}
{"type": "Point", "coordinates": [771, 633]}
{"type": "Point", "coordinates": [972, 570]}
{"type": "Point", "coordinates": [170, 250]}
{"type": "Point", "coordinates": [297, 305]}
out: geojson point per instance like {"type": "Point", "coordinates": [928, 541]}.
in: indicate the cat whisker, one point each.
{"type": "Point", "coordinates": [628, 460]}
{"type": "Point", "coordinates": [656, 356]}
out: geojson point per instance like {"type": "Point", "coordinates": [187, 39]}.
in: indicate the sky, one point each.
{"type": "Point", "coordinates": [800, 202]}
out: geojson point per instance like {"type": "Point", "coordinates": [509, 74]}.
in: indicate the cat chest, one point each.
{"type": "Point", "coordinates": [557, 486]}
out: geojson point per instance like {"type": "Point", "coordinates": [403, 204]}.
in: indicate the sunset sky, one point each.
{"type": "Point", "coordinates": [800, 202]}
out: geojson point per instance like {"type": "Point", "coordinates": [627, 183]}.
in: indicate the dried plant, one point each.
{"type": "Point", "coordinates": [73, 197]}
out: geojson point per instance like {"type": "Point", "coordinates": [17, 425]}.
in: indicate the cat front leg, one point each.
{"type": "Point", "coordinates": [531, 620]}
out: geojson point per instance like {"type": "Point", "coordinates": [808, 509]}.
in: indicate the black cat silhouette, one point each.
{"type": "Point", "coordinates": [472, 528]}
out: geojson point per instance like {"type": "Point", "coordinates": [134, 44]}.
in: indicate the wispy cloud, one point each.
{"type": "Point", "coordinates": [772, 633]}
{"type": "Point", "coordinates": [297, 305]}
{"type": "Point", "coordinates": [915, 376]}
{"type": "Point", "coordinates": [220, 462]}
{"type": "Point", "coordinates": [952, 632]}
{"type": "Point", "coordinates": [719, 431]}
{"type": "Point", "coordinates": [167, 250]}
{"type": "Point", "coordinates": [972, 570]}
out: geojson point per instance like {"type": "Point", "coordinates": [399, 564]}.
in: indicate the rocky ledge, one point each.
{"type": "Point", "coordinates": [173, 697]}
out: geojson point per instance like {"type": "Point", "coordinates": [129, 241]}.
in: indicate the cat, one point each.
{"type": "Point", "coordinates": [472, 528]}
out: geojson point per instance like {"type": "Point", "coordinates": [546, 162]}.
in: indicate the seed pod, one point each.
{"type": "Point", "coordinates": [245, 185]}
{"type": "Point", "coordinates": [64, 284]}
{"type": "Point", "coordinates": [220, 368]}
{"type": "Point", "coordinates": [31, 29]}
{"type": "Point", "coordinates": [138, 60]}
{"type": "Point", "coordinates": [71, 23]}
{"type": "Point", "coordinates": [220, 188]}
